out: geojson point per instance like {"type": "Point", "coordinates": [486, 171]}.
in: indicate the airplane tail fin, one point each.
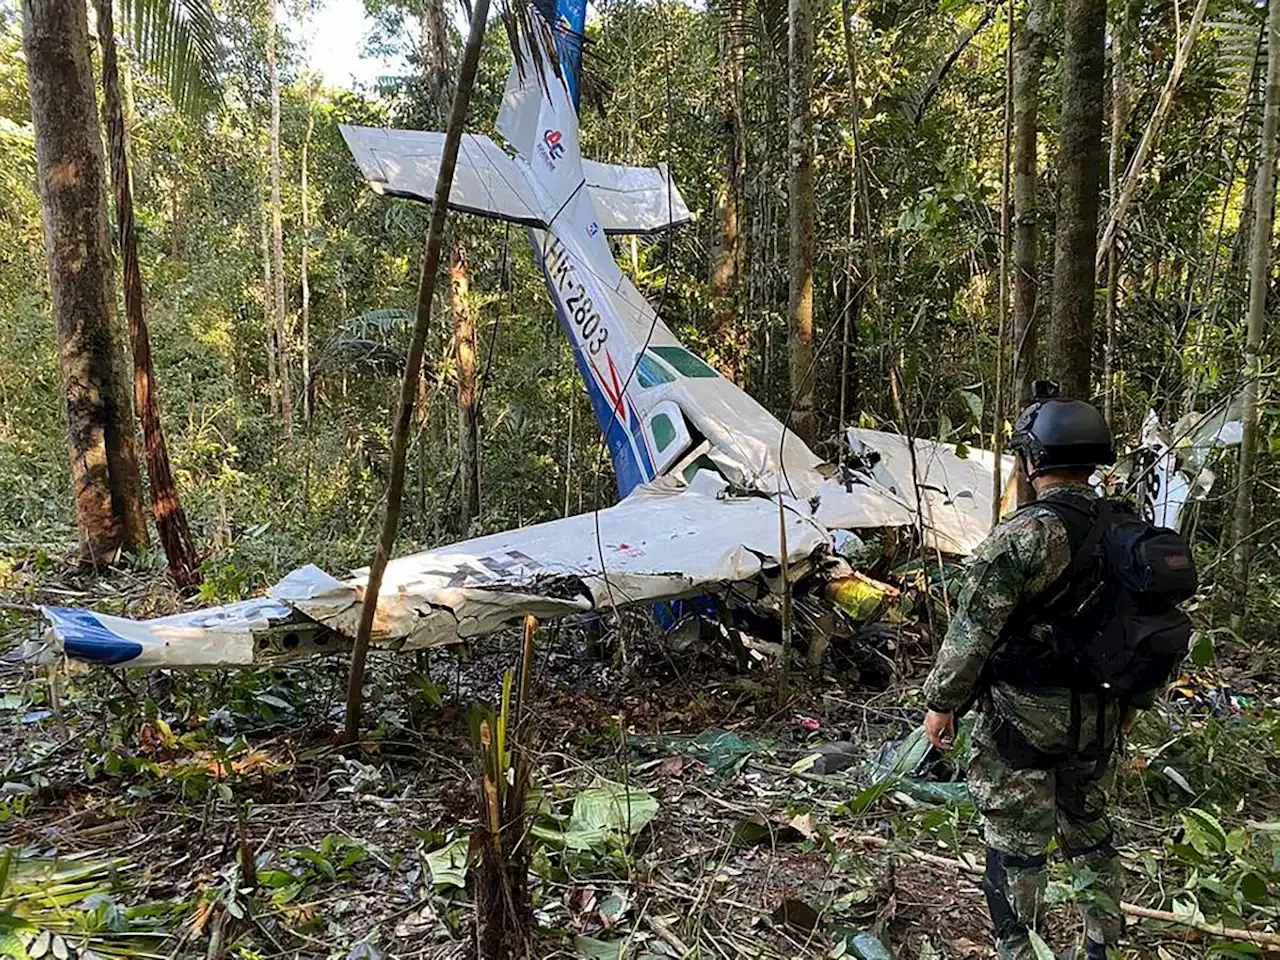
{"type": "Point", "coordinates": [568, 22]}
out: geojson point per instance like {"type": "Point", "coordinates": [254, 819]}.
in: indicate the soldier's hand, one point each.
{"type": "Point", "coordinates": [940, 729]}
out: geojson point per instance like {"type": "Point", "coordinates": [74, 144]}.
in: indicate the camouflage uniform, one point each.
{"type": "Point", "coordinates": [1065, 794]}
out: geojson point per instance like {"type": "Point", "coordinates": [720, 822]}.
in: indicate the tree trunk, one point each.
{"type": "Point", "coordinates": [727, 242]}
{"type": "Point", "coordinates": [435, 55]}
{"type": "Point", "coordinates": [277, 227]}
{"type": "Point", "coordinates": [800, 187]}
{"type": "Point", "coordinates": [464, 331]}
{"type": "Point", "coordinates": [269, 314]}
{"type": "Point", "coordinates": [1079, 169]}
{"type": "Point", "coordinates": [1006, 255]}
{"type": "Point", "coordinates": [1115, 161]}
{"type": "Point", "coordinates": [858, 288]}
{"type": "Point", "coordinates": [1238, 267]}
{"type": "Point", "coordinates": [1028, 59]}
{"type": "Point", "coordinates": [1259, 283]}
{"type": "Point", "coordinates": [308, 397]}
{"type": "Point", "coordinates": [409, 382]}
{"type": "Point", "coordinates": [171, 521]}
{"type": "Point", "coordinates": [69, 171]}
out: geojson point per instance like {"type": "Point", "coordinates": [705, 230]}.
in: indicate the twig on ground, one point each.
{"type": "Point", "coordinates": [668, 936]}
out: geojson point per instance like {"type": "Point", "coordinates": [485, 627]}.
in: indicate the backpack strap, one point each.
{"type": "Point", "coordinates": [1082, 551]}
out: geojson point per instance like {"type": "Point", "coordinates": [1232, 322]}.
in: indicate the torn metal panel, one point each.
{"type": "Point", "coordinates": [261, 630]}
{"type": "Point", "coordinates": [954, 492]}
{"type": "Point", "coordinates": [664, 542]}
{"type": "Point", "coordinates": [856, 505]}
{"type": "Point", "coordinates": [660, 544]}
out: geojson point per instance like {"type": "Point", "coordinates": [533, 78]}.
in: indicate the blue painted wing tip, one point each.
{"type": "Point", "coordinates": [86, 637]}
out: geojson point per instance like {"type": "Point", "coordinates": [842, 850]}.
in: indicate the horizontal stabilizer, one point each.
{"type": "Point", "coordinates": [487, 181]}
{"type": "Point", "coordinates": [405, 163]}
{"type": "Point", "coordinates": [634, 199]}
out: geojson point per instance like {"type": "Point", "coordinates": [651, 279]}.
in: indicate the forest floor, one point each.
{"type": "Point", "coordinates": [205, 815]}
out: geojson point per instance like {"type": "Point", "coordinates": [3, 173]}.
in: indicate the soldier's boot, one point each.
{"type": "Point", "coordinates": [1014, 887]}
{"type": "Point", "coordinates": [1093, 950]}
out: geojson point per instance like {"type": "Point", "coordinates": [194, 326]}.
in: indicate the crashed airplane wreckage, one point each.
{"type": "Point", "coordinates": [709, 480]}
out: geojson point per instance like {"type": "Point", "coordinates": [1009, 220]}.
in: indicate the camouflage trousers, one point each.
{"type": "Point", "coordinates": [1023, 810]}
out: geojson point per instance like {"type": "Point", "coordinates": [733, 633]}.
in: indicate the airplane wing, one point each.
{"type": "Point", "coordinates": [954, 492]}
{"type": "Point", "coordinates": [664, 542]}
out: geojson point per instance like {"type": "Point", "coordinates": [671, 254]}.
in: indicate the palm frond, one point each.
{"type": "Point", "coordinates": [177, 42]}
{"type": "Point", "coordinates": [377, 324]}
{"type": "Point", "coordinates": [1240, 49]}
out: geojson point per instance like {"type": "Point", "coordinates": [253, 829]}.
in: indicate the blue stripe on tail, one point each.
{"type": "Point", "coordinates": [568, 20]}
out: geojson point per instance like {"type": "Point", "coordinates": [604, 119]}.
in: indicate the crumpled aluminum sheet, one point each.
{"type": "Point", "coordinates": [663, 542]}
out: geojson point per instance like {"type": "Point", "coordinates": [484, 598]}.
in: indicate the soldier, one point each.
{"type": "Point", "coordinates": [1041, 748]}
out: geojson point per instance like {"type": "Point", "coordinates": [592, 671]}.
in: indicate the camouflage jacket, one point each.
{"type": "Point", "coordinates": [1023, 555]}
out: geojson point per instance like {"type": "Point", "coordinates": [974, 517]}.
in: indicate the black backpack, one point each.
{"type": "Point", "coordinates": [1114, 611]}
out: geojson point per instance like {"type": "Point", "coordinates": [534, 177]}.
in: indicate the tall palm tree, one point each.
{"type": "Point", "coordinates": [176, 41]}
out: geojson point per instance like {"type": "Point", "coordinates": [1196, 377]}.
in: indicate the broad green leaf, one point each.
{"type": "Point", "coordinates": [974, 403]}
{"type": "Point", "coordinates": [1233, 948]}
{"type": "Point", "coordinates": [448, 864]}
{"type": "Point", "coordinates": [1202, 649]}
{"type": "Point", "coordinates": [11, 946]}
{"type": "Point", "coordinates": [600, 949]}
{"type": "Point", "coordinates": [1204, 832]}
{"type": "Point", "coordinates": [1039, 947]}
{"type": "Point", "coordinates": [1254, 888]}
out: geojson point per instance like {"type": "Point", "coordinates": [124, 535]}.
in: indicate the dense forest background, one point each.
{"type": "Point", "coordinates": [931, 81]}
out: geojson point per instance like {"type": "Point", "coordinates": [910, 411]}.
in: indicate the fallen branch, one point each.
{"type": "Point", "coordinates": [1120, 204]}
{"type": "Point", "coordinates": [1270, 942]}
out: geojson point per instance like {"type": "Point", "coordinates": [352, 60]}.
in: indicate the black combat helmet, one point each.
{"type": "Point", "coordinates": [1058, 432]}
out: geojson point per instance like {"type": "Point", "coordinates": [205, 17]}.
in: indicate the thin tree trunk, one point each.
{"type": "Point", "coordinates": [1115, 157]}
{"type": "Point", "coordinates": [69, 173]}
{"type": "Point", "coordinates": [1259, 284]}
{"type": "Point", "coordinates": [308, 397]}
{"type": "Point", "coordinates": [800, 252]}
{"type": "Point", "coordinates": [1006, 243]}
{"type": "Point", "coordinates": [277, 226]}
{"type": "Point", "coordinates": [727, 242]}
{"type": "Point", "coordinates": [1238, 266]}
{"type": "Point", "coordinates": [269, 315]}
{"type": "Point", "coordinates": [1120, 203]}
{"type": "Point", "coordinates": [464, 331]}
{"type": "Point", "coordinates": [1079, 169]}
{"type": "Point", "coordinates": [409, 382]}
{"type": "Point", "coordinates": [1028, 59]}
{"type": "Point", "coordinates": [171, 521]}
{"type": "Point", "coordinates": [858, 290]}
